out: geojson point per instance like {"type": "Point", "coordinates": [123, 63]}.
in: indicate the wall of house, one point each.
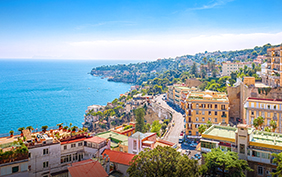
{"type": "Point", "coordinates": [37, 158]}
{"type": "Point", "coordinates": [6, 169]}
{"type": "Point", "coordinates": [122, 168]}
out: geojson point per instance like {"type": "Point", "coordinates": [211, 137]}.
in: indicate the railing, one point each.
{"type": "Point", "coordinates": [223, 115]}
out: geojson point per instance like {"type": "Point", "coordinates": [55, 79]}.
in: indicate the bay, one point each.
{"type": "Point", "coordinates": [48, 92]}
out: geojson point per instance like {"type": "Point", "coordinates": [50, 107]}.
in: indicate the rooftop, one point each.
{"type": "Point", "coordinates": [119, 157]}
{"type": "Point", "coordinates": [141, 135]}
{"type": "Point", "coordinates": [207, 95]}
{"type": "Point", "coordinates": [115, 138]}
{"type": "Point", "coordinates": [263, 99]}
{"type": "Point", "coordinates": [96, 139]}
{"type": "Point", "coordinates": [221, 131]}
{"type": "Point", "coordinates": [268, 138]}
{"type": "Point", "coordinates": [87, 168]}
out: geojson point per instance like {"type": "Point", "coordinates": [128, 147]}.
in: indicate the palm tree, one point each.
{"type": "Point", "coordinates": [202, 128]}
{"type": "Point", "coordinates": [267, 129]}
{"type": "Point", "coordinates": [21, 129]}
{"type": "Point", "coordinates": [30, 128]}
{"type": "Point", "coordinates": [273, 125]}
{"type": "Point", "coordinates": [258, 122]}
{"type": "Point", "coordinates": [74, 128]}
{"type": "Point", "coordinates": [44, 128]}
{"type": "Point", "coordinates": [205, 60]}
{"type": "Point", "coordinates": [60, 125]}
{"type": "Point", "coordinates": [11, 132]}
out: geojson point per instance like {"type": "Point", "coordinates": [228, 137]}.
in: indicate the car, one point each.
{"type": "Point", "coordinates": [193, 144]}
{"type": "Point", "coordinates": [198, 156]}
{"type": "Point", "coordinates": [186, 143]}
{"type": "Point", "coordinates": [193, 158]}
{"type": "Point", "coordinates": [188, 151]}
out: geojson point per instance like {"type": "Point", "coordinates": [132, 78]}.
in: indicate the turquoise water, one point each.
{"type": "Point", "coordinates": [42, 92]}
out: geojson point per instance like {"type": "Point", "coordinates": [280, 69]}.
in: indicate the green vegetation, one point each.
{"type": "Point", "coordinates": [219, 163]}
{"type": "Point", "coordinates": [278, 160]}
{"type": "Point", "coordinates": [19, 152]}
{"type": "Point", "coordinates": [258, 122]}
{"type": "Point", "coordinates": [127, 127]}
{"type": "Point", "coordinates": [156, 127]}
{"type": "Point", "coordinates": [139, 114]}
{"type": "Point", "coordinates": [162, 162]}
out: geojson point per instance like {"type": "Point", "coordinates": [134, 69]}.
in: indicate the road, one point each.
{"type": "Point", "coordinates": [177, 118]}
{"type": "Point", "coordinates": [174, 132]}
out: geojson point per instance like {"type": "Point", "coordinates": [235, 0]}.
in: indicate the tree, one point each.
{"type": "Point", "coordinates": [202, 128]}
{"type": "Point", "coordinates": [278, 160]}
{"type": "Point", "coordinates": [219, 163]}
{"type": "Point", "coordinates": [205, 60]}
{"type": "Point", "coordinates": [203, 73]}
{"type": "Point", "coordinates": [209, 124]}
{"type": "Point", "coordinates": [258, 122]}
{"type": "Point", "coordinates": [139, 117]}
{"type": "Point", "coordinates": [44, 128]}
{"type": "Point", "coordinates": [156, 127]}
{"type": "Point", "coordinates": [267, 129]}
{"type": "Point", "coordinates": [214, 72]}
{"type": "Point", "coordinates": [273, 125]}
{"type": "Point", "coordinates": [30, 128]}
{"type": "Point", "coordinates": [21, 129]}
{"type": "Point", "coordinates": [194, 69]}
{"type": "Point", "coordinates": [162, 161]}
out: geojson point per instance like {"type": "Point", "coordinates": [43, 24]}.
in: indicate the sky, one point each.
{"type": "Point", "coordinates": [134, 30]}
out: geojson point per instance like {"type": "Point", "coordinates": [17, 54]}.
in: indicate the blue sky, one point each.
{"type": "Point", "coordinates": [89, 29]}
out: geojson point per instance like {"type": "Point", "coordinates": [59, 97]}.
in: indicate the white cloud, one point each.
{"type": "Point", "coordinates": [139, 48]}
{"type": "Point", "coordinates": [211, 5]}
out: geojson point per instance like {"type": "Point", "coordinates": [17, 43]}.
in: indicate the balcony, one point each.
{"type": "Point", "coordinates": [223, 115]}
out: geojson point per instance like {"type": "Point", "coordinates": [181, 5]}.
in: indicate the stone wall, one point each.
{"type": "Point", "coordinates": [234, 102]}
{"type": "Point", "coordinates": [193, 82]}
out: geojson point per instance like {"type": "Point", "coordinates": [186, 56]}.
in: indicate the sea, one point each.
{"type": "Point", "coordinates": [47, 92]}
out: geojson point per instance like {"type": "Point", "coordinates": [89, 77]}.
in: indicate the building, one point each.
{"type": "Point", "coordinates": [174, 94]}
{"type": "Point", "coordinates": [119, 161]}
{"type": "Point", "coordinates": [139, 141]}
{"type": "Point", "coordinates": [203, 106]}
{"type": "Point", "coordinates": [228, 67]}
{"type": "Point", "coordinates": [252, 145]}
{"type": "Point", "coordinates": [274, 67]}
{"type": "Point", "coordinates": [90, 118]}
{"type": "Point", "coordinates": [125, 129]}
{"type": "Point", "coordinates": [87, 168]}
{"type": "Point", "coordinates": [269, 109]}
{"type": "Point", "coordinates": [119, 142]}
{"type": "Point", "coordinates": [193, 82]}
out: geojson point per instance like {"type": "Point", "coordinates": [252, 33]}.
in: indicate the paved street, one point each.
{"type": "Point", "coordinates": [177, 118]}
{"type": "Point", "coordinates": [174, 132]}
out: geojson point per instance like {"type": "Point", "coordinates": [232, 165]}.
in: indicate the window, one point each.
{"type": "Point", "coordinates": [45, 164]}
{"type": "Point", "coordinates": [215, 113]}
{"type": "Point", "coordinates": [74, 157]}
{"type": "Point", "coordinates": [197, 118]}
{"type": "Point", "coordinates": [66, 158]}
{"type": "Point", "coordinates": [268, 122]}
{"type": "Point", "coordinates": [242, 149]}
{"type": "Point", "coordinates": [268, 114]}
{"type": "Point", "coordinates": [73, 145]}
{"type": "Point", "coordinates": [263, 114]}
{"type": "Point", "coordinates": [196, 125]}
{"type": "Point", "coordinates": [274, 107]}
{"type": "Point", "coordinates": [29, 155]}
{"type": "Point", "coordinates": [203, 112]}
{"type": "Point", "coordinates": [65, 147]}
{"type": "Point", "coordinates": [268, 106]}
{"type": "Point", "coordinates": [45, 151]}
{"type": "Point", "coordinates": [256, 154]}
{"type": "Point", "coordinates": [80, 144]}
{"type": "Point", "coordinates": [197, 112]}
{"type": "Point", "coordinates": [209, 119]}
{"type": "Point", "coordinates": [121, 149]}
{"type": "Point", "coordinates": [265, 155]}
{"type": "Point", "coordinates": [197, 105]}
{"type": "Point", "coordinates": [253, 113]}
{"type": "Point", "coordinates": [223, 107]}
{"type": "Point", "coordinates": [203, 119]}
{"type": "Point", "coordinates": [209, 112]}
{"type": "Point", "coordinates": [134, 144]}
{"type": "Point", "coordinates": [15, 169]}
{"type": "Point", "coordinates": [215, 119]}
{"type": "Point", "coordinates": [203, 106]}
{"type": "Point", "coordinates": [215, 106]}
{"type": "Point", "coordinates": [223, 120]}
{"type": "Point", "coordinates": [260, 170]}
{"type": "Point", "coordinates": [252, 120]}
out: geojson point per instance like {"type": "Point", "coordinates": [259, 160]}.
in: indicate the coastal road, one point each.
{"type": "Point", "coordinates": [177, 118]}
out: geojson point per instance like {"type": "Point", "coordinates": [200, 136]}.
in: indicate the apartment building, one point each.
{"type": "Point", "coordinates": [254, 146]}
{"type": "Point", "coordinates": [139, 141]}
{"type": "Point", "coordinates": [269, 109]}
{"type": "Point", "coordinates": [119, 142]}
{"type": "Point", "coordinates": [125, 129]}
{"type": "Point", "coordinates": [273, 75]}
{"type": "Point", "coordinates": [174, 94]}
{"type": "Point", "coordinates": [228, 67]}
{"type": "Point", "coordinates": [203, 106]}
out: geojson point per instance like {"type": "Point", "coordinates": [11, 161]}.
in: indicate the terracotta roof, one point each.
{"type": "Point", "coordinates": [96, 139]}
{"type": "Point", "coordinates": [165, 142]}
{"type": "Point", "coordinates": [119, 157]}
{"type": "Point", "coordinates": [73, 141]}
{"type": "Point", "coordinates": [87, 168]}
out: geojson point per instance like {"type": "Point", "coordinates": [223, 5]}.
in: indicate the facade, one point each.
{"type": "Point", "coordinates": [139, 141]}
{"type": "Point", "coordinates": [15, 168]}
{"type": "Point", "coordinates": [125, 129]}
{"type": "Point", "coordinates": [273, 75]}
{"type": "Point", "coordinates": [254, 146]}
{"type": "Point", "coordinates": [119, 142]}
{"type": "Point", "coordinates": [205, 106]}
{"type": "Point", "coordinates": [270, 109]}
{"type": "Point", "coordinates": [229, 67]}
{"type": "Point", "coordinates": [174, 94]}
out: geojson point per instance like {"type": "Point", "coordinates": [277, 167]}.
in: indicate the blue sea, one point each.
{"type": "Point", "coordinates": [48, 92]}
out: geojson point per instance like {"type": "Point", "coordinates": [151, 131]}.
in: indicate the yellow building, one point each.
{"type": "Point", "coordinates": [269, 109]}
{"type": "Point", "coordinates": [205, 106]}
{"type": "Point", "coordinates": [175, 93]}
{"type": "Point", "coordinates": [274, 67]}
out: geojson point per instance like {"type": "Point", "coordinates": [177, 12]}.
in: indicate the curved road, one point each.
{"type": "Point", "coordinates": [177, 118]}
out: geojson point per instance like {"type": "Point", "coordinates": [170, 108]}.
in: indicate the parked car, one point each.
{"type": "Point", "coordinates": [198, 156]}
{"type": "Point", "coordinates": [188, 152]}
{"type": "Point", "coordinates": [193, 144]}
{"type": "Point", "coordinates": [186, 143]}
